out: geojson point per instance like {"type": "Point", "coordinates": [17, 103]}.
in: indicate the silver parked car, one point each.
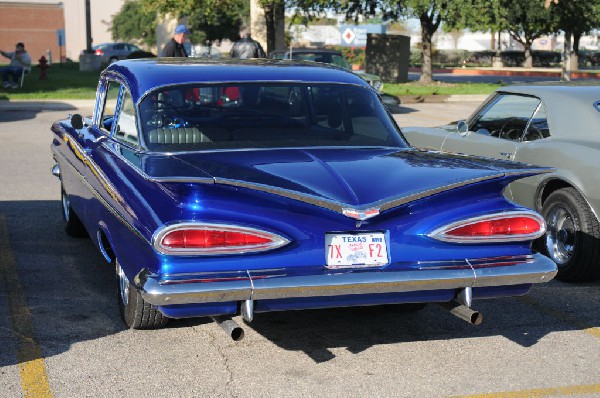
{"type": "Point", "coordinates": [554, 125]}
{"type": "Point", "coordinates": [112, 52]}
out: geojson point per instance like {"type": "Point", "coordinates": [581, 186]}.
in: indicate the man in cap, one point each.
{"type": "Point", "coordinates": [174, 48]}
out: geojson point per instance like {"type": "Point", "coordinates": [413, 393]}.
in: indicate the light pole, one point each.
{"type": "Point", "coordinates": [88, 26]}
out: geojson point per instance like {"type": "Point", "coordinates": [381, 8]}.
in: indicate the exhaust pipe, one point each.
{"type": "Point", "coordinates": [230, 326]}
{"type": "Point", "coordinates": [463, 312]}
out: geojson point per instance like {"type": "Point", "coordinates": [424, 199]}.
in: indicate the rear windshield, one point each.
{"type": "Point", "coordinates": [199, 117]}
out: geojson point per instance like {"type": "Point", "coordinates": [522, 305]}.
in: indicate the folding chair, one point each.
{"type": "Point", "coordinates": [25, 71]}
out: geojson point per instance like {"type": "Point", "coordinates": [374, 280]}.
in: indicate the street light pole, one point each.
{"type": "Point", "coordinates": [88, 26]}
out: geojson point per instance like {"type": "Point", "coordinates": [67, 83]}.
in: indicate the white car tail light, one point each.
{"type": "Point", "coordinates": [501, 227]}
{"type": "Point", "coordinates": [208, 239]}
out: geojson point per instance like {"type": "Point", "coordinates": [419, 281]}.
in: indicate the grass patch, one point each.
{"type": "Point", "coordinates": [438, 88]}
{"type": "Point", "coordinates": [65, 81]}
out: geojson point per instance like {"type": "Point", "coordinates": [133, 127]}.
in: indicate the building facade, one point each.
{"type": "Point", "coordinates": [36, 22]}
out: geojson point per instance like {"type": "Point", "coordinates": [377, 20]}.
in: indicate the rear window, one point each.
{"type": "Point", "coordinates": [199, 117]}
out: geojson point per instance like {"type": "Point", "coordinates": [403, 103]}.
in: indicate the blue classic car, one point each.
{"type": "Point", "coordinates": [218, 188]}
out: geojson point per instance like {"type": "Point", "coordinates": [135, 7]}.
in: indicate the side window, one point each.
{"type": "Point", "coordinates": [340, 61]}
{"type": "Point", "coordinates": [327, 104]}
{"type": "Point", "coordinates": [126, 130]}
{"type": "Point", "coordinates": [538, 127]}
{"type": "Point", "coordinates": [506, 116]}
{"type": "Point", "coordinates": [110, 106]}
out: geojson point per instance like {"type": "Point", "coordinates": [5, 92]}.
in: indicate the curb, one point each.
{"type": "Point", "coordinates": [417, 99]}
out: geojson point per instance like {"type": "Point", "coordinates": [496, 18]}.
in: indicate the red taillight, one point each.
{"type": "Point", "coordinates": [99, 52]}
{"type": "Point", "coordinates": [214, 239]}
{"type": "Point", "coordinates": [504, 227]}
{"type": "Point", "coordinates": [195, 238]}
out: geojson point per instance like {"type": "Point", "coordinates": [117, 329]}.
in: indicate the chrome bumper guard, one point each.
{"type": "Point", "coordinates": [276, 284]}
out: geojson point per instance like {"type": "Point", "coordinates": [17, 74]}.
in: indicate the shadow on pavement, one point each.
{"type": "Point", "coordinates": [524, 320]}
{"type": "Point", "coordinates": [70, 293]}
{"type": "Point", "coordinates": [65, 285]}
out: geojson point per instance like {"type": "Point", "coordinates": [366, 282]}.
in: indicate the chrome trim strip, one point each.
{"type": "Point", "coordinates": [305, 198]}
{"type": "Point", "coordinates": [275, 284]}
{"type": "Point", "coordinates": [199, 180]}
{"type": "Point", "coordinates": [103, 201]}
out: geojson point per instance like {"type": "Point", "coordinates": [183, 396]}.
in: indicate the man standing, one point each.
{"type": "Point", "coordinates": [174, 48]}
{"type": "Point", "coordinates": [18, 61]}
{"type": "Point", "coordinates": [246, 47]}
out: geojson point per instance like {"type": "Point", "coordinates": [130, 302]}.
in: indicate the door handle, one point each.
{"type": "Point", "coordinates": [507, 155]}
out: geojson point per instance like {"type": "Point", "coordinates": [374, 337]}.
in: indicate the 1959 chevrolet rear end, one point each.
{"type": "Point", "coordinates": [225, 188]}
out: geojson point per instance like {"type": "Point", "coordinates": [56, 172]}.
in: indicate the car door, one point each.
{"type": "Point", "coordinates": [99, 184]}
{"type": "Point", "coordinates": [531, 151]}
{"type": "Point", "coordinates": [496, 130]}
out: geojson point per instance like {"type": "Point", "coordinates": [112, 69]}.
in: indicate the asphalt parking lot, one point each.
{"type": "Point", "coordinates": [61, 334]}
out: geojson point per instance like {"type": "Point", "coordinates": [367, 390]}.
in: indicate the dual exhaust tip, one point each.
{"type": "Point", "coordinates": [236, 332]}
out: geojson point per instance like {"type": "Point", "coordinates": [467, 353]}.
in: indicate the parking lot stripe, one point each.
{"type": "Point", "coordinates": [540, 392]}
{"type": "Point", "coordinates": [32, 368]}
{"type": "Point", "coordinates": [562, 316]}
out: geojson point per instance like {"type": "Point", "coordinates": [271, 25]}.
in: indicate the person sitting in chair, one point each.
{"type": "Point", "coordinates": [19, 59]}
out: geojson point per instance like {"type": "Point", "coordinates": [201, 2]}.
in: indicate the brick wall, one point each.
{"type": "Point", "coordinates": [33, 24]}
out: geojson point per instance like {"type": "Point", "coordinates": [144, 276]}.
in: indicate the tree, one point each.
{"type": "Point", "coordinates": [575, 19]}
{"type": "Point", "coordinates": [430, 14]}
{"type": "Point", "coordinates": [216, 19]}
{"type": "Point", "coordinates": [525, 21]}
{"type": "Point", "coordinates": [274, 13]}
{"type": "Point", "coordinates": [222, 21]}
{"type": "Point", "coordinates": [134, 23]}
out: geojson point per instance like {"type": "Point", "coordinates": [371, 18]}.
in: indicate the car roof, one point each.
{"type": "Point", "coordinates": [144, 75]}
{"type": "Point", "coordinates": [581, 98]}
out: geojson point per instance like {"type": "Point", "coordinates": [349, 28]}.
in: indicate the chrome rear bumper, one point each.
{"type": "Point", "coordinates": [278, 284]}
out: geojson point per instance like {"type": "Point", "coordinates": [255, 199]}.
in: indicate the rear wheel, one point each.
{"type": "Point", "coordinates": [136, 312]}
{"type": "Point", "coordinates": [73, 225]}
{"type": "Point", "coordinates": [572, 238]}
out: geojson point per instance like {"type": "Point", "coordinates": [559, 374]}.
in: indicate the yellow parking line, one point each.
{"type": "Point", "coordinates": [32, 368]}
{"type": "Point", "coordinates": [540, 392]}
{"type": "Point", "coordinates": [563, 316]}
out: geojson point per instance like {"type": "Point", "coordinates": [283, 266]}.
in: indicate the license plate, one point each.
{"type": "Point", "coordinates": [356, 250]}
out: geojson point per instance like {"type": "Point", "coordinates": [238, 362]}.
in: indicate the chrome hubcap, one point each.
{"type": "Point", "coordinates": [123, 284]}
{"type": "Point", "coordinates": [560, 235]}
{"type": "Point", "coordinates": [65, 205]}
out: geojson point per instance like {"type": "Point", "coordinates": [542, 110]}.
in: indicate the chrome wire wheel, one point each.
{"type": "Point", "coordinates": [560, 235]}
{"type": "Point", "coordinates": [123, 285]}
{"type": "Point", "coordinates": [572, 237]}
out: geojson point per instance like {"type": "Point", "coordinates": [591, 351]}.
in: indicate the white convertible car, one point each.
{"type": "Point", "coordinates": [554, 125]}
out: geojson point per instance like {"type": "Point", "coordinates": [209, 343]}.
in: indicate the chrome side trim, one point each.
{"type": "Point", "coordinates": [276, 284]}
{"type": "Point", "coordinates": [382, 205]}
{"type": "Point", "coordinates": [103, 201]}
